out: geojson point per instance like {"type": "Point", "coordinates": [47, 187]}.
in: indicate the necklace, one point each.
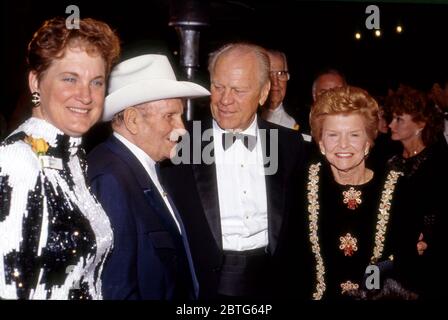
{"type": "Point", "coordinates": [408, 154]}
{"type": "Point", "coordinates": [313, 217]}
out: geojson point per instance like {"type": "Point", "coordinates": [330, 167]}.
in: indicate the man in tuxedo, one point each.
{"type": "Point", "coordinates": [151, 258]}
{"type": "Point", "coordinates": [238, 192]}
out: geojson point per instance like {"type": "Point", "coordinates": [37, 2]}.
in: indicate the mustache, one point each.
{"type": "Point", "coordinates": [176, 134]}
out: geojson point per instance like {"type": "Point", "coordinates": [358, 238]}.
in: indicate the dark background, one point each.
{"type": "Point", "coordinates": [314, 35]}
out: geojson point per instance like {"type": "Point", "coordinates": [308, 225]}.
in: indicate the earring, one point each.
{"type": "Point", "coordinates": [323, 152]}
{"type": "Point", "coordinates": [366, 152]}
{"type": "Point", "coordinates": [418, 131]}
{"type": "Point", "coordinates": [35, 98]}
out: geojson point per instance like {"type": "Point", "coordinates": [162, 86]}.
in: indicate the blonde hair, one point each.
{"type": "Point", "coordinates": [345, 100]}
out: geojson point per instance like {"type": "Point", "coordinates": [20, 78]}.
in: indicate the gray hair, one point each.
{"type": "Point", "coordinates": [118, 118]}
{"type": "Point", "coordinates": [259, 52]}
{"type": "Point", "coordinates": [325, 72]}
{"type": "Point", "coordinates": [279, 54]}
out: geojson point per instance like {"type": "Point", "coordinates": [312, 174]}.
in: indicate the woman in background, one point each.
{"type": "Point", "coordinates": [421, 201]}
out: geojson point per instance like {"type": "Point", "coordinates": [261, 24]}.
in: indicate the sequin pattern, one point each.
{"type": "Point", "coordinates": [4, 196]}
{"type": "Point", "coordinates": [54, 235]}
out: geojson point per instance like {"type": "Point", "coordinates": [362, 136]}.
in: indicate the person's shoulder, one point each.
{"type": "Point", "coordinates": [438, 159]}
{"type": "Point", "coordinates": [102, 160]}
{"type": "Point", "coordinates": [440, 149]}
{"type": "Point", "coordinates": [284, 133]}
{"type": "Point", "coordinates": [19, 162]}
{"type": "Point", "coordinates": [99, 149]}
{"type": "Point", "coordinates": [18, 153]}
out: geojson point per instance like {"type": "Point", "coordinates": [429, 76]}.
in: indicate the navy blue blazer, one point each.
{"type": "Point", "coordinates": [148, 260]}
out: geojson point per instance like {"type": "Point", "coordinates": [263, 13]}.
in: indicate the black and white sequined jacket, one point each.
{"type": "Point", "coordinates": [54, 235]}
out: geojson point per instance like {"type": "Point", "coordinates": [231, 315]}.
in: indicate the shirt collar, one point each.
{"type": "Point", "coordinates": [141, 155]}
{"type": "Point", "coordinates": [41, 129]}
{"type": "Point", "coordinates": [279, 109]}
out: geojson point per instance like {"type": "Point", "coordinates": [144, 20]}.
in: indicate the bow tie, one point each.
{"type": "Point", "coordinates": [229, 138]}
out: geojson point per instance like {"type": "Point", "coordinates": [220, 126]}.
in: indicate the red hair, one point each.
{"type": "Point", "coordinates": [53, 38]}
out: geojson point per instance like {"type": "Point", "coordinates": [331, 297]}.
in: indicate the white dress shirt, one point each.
{"type": "Point", "coordinates": [280, 117]}
{"type": "Point", "coordinates": [149, 166]}
{"type": "Point", "coordinates": [241, 191]}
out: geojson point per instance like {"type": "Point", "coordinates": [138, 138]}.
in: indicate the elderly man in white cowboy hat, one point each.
{"type": "Point", "coordinates": [151, 257]}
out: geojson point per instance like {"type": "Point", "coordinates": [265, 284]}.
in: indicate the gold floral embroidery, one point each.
{"type": "Point", "coordinates": [348, 286]}
{"type": "Point", "coordinates": [383, 215]}
{"type": "Point", "coordinates": [348, 244]}
{"type": "Point", "coordinates": [313, 209]}
{"type": "Point", "coordinates": [352, 198]}
{"type": "Point", "coordinates": [39, 146]}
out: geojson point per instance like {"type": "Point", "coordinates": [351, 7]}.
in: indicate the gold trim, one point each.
{"type": "Point", "coordinates": [383, 215]}
{"type": "Point", "coordinates": [313, 209]}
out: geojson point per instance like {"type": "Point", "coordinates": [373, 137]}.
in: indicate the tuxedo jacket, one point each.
{"type": "Point", "coordinates": [148, 260]}
{"type": "Point", "coordinates": [195, 192]}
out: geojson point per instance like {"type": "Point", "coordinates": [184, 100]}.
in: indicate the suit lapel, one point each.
{"type": "Point", "coordinates": [275, 194]}
{"type": "Point", "coordinates": [156, 202]}
{"type": "Point", "coordinates": [150, 191]}
{"type": "Point", "coordinates": [206, 181]}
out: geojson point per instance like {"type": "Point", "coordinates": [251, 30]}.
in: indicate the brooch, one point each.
{"type": "Point", "coordinates": [348, 286]}
{"type": "Point", "coordinates": [352, 198]}
{"type": "Point", "coordinates": [348, 244]}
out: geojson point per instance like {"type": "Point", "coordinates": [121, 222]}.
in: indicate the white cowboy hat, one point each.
{"type": "Point", "coordinates": [145, 78]}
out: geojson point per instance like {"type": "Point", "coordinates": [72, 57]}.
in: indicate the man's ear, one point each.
{"type": "Point", "coordinates": [33, 81]}
{"type": "Point", "coordinates": [130, 118]}
{"type": "Point", "coordinates": [264, 93]}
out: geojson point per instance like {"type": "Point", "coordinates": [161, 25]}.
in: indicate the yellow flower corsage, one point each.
{"type": "Point", "coordinates": [40, 146]}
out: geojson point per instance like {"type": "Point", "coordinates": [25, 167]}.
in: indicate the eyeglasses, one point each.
{"type": "Point", "coordinates": [282, 75]}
